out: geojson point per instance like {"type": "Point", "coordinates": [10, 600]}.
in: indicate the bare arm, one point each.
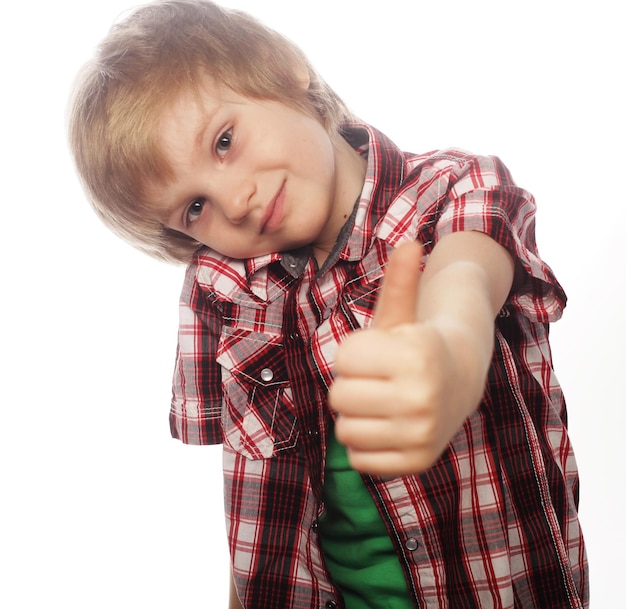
{"type": "Point", "coordinates": [407, 384]}
{"type": "Point", "coordinates": [466, 281]}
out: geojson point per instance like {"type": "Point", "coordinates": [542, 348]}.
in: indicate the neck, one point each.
{"type": "Point", "coordinates": [350, 169]}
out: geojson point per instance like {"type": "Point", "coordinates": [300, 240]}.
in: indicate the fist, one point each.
{"type": "Point", "coordinates": [395, 381]}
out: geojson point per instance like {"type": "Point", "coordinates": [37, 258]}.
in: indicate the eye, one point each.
{"type": "Point", "coordinates": [223, 143]}
{"type": "Point", "coordinates": [194, 210]}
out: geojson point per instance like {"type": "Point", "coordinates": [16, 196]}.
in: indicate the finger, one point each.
{"type": "Point", "coordinates": [376, 434]}
{"type": "Point", "coordinates": [397, 299]}
{"type": "Point", "coordinates": [359, 397]}
{"type": "Point", "coordinates": [372, 353]}
{"type": "Point", "coordinates": [391, 463]}
{"type": "Point", "coordinates": [379, 398]}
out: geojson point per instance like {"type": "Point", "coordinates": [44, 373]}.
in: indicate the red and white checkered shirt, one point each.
{"type": "Point", "coordinates": [494, 522]}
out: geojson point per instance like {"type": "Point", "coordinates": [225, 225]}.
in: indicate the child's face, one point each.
{"type": "Point", "coordinates": [254, 177]}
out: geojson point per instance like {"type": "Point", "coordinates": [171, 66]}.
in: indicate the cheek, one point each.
{"type": "Point", "coordinates": [310, 149]}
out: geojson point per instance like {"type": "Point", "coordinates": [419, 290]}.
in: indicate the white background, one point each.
{"type": "Point", "coordinates": [99, 507]}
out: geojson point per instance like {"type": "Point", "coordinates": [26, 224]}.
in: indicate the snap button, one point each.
{"type": "Point", "coordinates": [411, 544]}
{"type": "Point", "coordinates": [331, 605]}
{"type": "Point", "coordinates": [267, 375]}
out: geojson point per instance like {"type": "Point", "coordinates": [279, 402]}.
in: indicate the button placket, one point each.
{"type": "Point", "coordinates": [411, 544]}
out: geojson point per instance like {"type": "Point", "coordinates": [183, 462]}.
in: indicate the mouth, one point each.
{"type": "Point", "coordinates": [274, 213]}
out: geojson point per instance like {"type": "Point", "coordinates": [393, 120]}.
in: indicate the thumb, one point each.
{"type": "Point", "coordinates": [397, 299]}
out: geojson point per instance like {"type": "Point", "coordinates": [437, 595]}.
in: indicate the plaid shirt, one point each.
{"type": "Point", "coordinates": [494, 522]}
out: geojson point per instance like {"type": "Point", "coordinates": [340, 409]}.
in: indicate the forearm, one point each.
{"type": "Point", "coordinates": [466, 281]}
{"type": "Point", "coordinates": [406, 385]}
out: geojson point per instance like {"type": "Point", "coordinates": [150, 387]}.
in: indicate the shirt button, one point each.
{"type": "Point", "coordinates": [411, 544]}
{"type": "Point", "coordinates": [331, 605]}
{"type": "Point", "coordinates": [327, 313]}
{"type": "Point", "coordinates": [267, 375]}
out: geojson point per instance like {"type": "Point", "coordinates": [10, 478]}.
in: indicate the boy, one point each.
{"type": "Point", "coordinates": [365, 330]}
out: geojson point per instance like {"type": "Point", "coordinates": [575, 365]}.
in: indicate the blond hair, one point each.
{"type": "Point", "coordinates": [144, 63]}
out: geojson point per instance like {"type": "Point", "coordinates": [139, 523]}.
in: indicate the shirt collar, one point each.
{"type": "Point", "coordinates": [384, 176]}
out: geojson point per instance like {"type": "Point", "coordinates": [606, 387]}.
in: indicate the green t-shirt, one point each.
{"type": "Point", "coordinates": [358, 550]}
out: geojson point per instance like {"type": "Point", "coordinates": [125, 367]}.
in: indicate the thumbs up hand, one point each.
{"type": "Point", "coordinates": [405, 385]}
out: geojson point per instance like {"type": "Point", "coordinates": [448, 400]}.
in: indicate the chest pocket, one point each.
{"type": "Point", "coordinates": [258, 413]}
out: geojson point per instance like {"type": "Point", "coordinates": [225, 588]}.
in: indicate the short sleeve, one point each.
{"type": "Point", "coordinates": [482, 196]}
{"type": "Point", "coordinates": [195, 415]}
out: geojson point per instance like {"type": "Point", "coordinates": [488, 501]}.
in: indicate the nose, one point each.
{"type": "Point", "coordinates": [234, 199]}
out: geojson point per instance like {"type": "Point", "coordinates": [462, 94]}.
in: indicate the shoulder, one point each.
{"type": "Point", "coordinates": [456, 165]}
{"type": "Point", "coordinates": [445, 167]}
{"type": "Point", "coordinates": [213, 275]}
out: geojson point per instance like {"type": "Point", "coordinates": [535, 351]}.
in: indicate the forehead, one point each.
{"type": "Point", "coordinates": [185, 120]}
{"type": "Point", "coordinates": [189, 110]}
{"type": "Point", "coordinates": [180, 129]}
{"type": "Point", "coordinates": [182, 122]}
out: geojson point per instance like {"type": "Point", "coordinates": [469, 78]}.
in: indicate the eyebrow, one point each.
{"type": "Point", "coordinates": [202, 131]}
{"type": "Point", "coordinates": [165, 212]}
